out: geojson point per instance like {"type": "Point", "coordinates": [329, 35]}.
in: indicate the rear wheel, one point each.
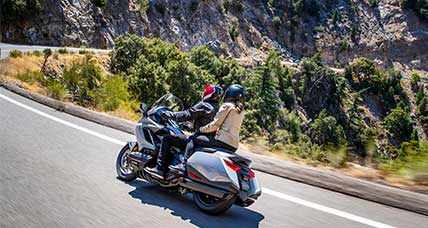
{"type": "Point", "coordinates": [124, 171]}
{"type": "Point", "coordinates": [212, 205]}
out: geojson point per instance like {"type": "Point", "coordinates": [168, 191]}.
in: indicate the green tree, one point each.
{"type": "Point", "coordinates": [126, 52]}
{"type": "Point", "coordinates": [262, 84]}
{"type": "Point", "coordinates": [325, 130]}
{"type": "Point", "coordinates": [18, 10]}
{"type": "Point", "coordinates": [399, 124]}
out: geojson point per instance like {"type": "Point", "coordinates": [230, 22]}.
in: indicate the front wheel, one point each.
{"type": "Point", "coordinates": [212, 205]}
{"type": "Point", "coordinates": [124, 171]}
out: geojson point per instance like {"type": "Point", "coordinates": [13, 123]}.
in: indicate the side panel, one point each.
{"type": "Point", "coordinates": [213, 169]}
{"type": "Point", "coordinates": [149, 125]}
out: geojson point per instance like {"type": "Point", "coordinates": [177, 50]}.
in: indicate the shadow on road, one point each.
{"type": "Point", "coordinates": [184, 208]}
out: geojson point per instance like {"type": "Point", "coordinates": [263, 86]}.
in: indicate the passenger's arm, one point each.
{"type": "Point", "coordinates": [218, 120]}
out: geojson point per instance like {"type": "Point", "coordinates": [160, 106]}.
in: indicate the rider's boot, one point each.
{"type": "Point", "coordinates": [181, 166]}
{"type": "Point", "coordinates": [159, 168]}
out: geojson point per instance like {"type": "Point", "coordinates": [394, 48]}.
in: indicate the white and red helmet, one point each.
{"type": "Point", "coordinates": [212, 92]}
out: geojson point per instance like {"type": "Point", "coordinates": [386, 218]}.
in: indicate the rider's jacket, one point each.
{"type": "Point", "coordinates": [201, 114]}
{"type": "Point", "coordinates": [226, 124]}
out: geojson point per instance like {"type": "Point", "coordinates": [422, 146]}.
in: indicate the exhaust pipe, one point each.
{"type": "Point", "coordinates": [216, 192]}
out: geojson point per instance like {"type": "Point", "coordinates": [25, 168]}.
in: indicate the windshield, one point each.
{"type": "Point", "coordinates": [170, 102]}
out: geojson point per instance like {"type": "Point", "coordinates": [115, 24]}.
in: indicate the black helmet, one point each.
{"type": "Point", "coordinates": [234, 92]}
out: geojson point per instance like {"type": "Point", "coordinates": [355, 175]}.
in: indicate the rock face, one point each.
{"type": "Point", "coordinates": [340, 29]}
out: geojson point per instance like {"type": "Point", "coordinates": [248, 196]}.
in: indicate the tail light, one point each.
{"type": "Point", "coordinates": [232, 165]}
{"type": "Point", "coordinates": [251, 174]}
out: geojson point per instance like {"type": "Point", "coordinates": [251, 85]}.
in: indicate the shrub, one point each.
{"type": "Point", "coordinates": [276, 21]}
{"type": "Point", "coordinates": [144, 5]}
{"type": "Point", "coordinates": [194, 5]}
{"type": "Point", "coordinates": [37, 53]}
{"type": "Point", "coordinates": [17, 10]}
{"type": "Point", "coordinates": [126, 52]}
{"type": "Point", "coordinates": [399, 124]}
{"type": "Point", "coordinates": [63, 51]}
{"type": "Point", "coordinates": [415, 78]}
{"type": "Point", "coordinates": [364, 75]}
{"type": "Point", "coordinates": [30, 76]}
{"type": "Point", "coordinates": [56, 90]}
{"type": "Point", "coordinates": [15, 54]}
{"type": "Point", "coordinates": [336, 16]}
{"type": "Point", "coordinates": [325, 130]}
{"type": "Point", "coordinates": [373, 3]}
{"type": "Point", "coordinates": [160, 8]}
{"type": "Point", "coordinates": [100, 3]}
{"type": "Point", "coordinates": [234, 31]}
{"type": "Point", "coordinates": [235, 5]}
{"type": "Point", "coordinates": [112, 92]}
{"type": "Point", "coordinates": [344, 46]}
{"type": "Point", "coordinates": [82, 79]}
{"type": "Point", "coordinates": [411, 163]}
{"type": "Point", "coordinates": [420, 7]}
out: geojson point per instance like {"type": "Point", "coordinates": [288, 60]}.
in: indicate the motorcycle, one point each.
{"type": "Point", "coordinates": [217, 178]}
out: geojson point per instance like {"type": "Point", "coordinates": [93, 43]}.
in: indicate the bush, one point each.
{"type": "Point", "coordinates": [234, 31]}
{"type": "Point", "coordinates": [112, 92]}
{"type": "Point", "coordinates": [160, 8]}
{"type": "Point", "coordinates": [126, 52]}
{"type": "Point", "coordinates": [15, 54]}
{"type": "Point", "coordinates": [235, 5]}
{"type": "Point", "coordinates": [336, 16]}
{"type": "Point", "coordinates": [415, 78]}
{"type": "Point", "coordinates": [144, 5]}
{"type": "Point", "coordinates": [373, 3]}
{"type": "Point", "coordinates": [365, 76]}
{"type": "Point", "coordinates": [194, 5]}
{"type": "Point", "coordinates": [325, 130]}
{"type": "Point", "coordinates": [13, 11]}
{"type": "Point", "coordinates": [399, 124]}
{"type": "Point", "coordinates": [56, 90]}
{"type": "Point", "coordinates": [82, 79]}
{"type": "Point", "coordinates": [30, 76]}
{"type": "Point", "coordinates": [100, 3]}
{"type": "Point", "coordinates": [411, 163]}
{"type": "Point", "coordinates": [63, 51]}
{"type": "Point", "coordinates": [419, 6]}
{"type": "Point", "coordinates": [37, 53]}
{"type": "Point", "coordinates": [276, 21]}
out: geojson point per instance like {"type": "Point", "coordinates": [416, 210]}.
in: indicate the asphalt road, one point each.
{"type": "Point", "coordinates": [6, 48]}
{"type": "Point", "coordinates": [57, 170]}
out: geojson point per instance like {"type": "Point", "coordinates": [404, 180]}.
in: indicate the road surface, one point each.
{"type": "Point", "coordinates": [57, 170]}
{"type": "Point", "coordinates": [6, 48]}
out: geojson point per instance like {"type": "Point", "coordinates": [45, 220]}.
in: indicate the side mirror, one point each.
{"type": "Point", "coordinates": [143, 108]}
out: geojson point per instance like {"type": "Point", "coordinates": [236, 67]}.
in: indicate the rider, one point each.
{"type": "Point", "coordinates": [223, 131]}
{"type": "Point", "coordinates": [227, 122]}
{"type": "Point", "coordinates": [201, 114]}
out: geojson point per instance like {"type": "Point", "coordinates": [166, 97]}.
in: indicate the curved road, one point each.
{"type": "Point", "coordinates": [57, 170]}
{"type": "Point", "coordinates": [6, 48]}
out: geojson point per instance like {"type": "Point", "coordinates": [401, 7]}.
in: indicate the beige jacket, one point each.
{"type": "Point", "coordinates": [226, 124]}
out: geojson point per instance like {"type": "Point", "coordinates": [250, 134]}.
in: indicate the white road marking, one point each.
{"type": "Point", "coordinates": [56, 119]}
{"type": "Point", "coordinates": [265, 190]}
{"type": "Point", "coordinates": [325, 209]}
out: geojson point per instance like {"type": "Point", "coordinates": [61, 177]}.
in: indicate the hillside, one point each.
{"type": "Point", "coordinates": [329, 82]}
{"type": "Point", "coordinates": [386, 31]}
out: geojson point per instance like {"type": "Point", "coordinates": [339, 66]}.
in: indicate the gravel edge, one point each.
{"type": "Point", "coordinates": [333, 181]}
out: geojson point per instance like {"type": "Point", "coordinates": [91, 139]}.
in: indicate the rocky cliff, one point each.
{"type": "Point", "coordinates": [339, 29]}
